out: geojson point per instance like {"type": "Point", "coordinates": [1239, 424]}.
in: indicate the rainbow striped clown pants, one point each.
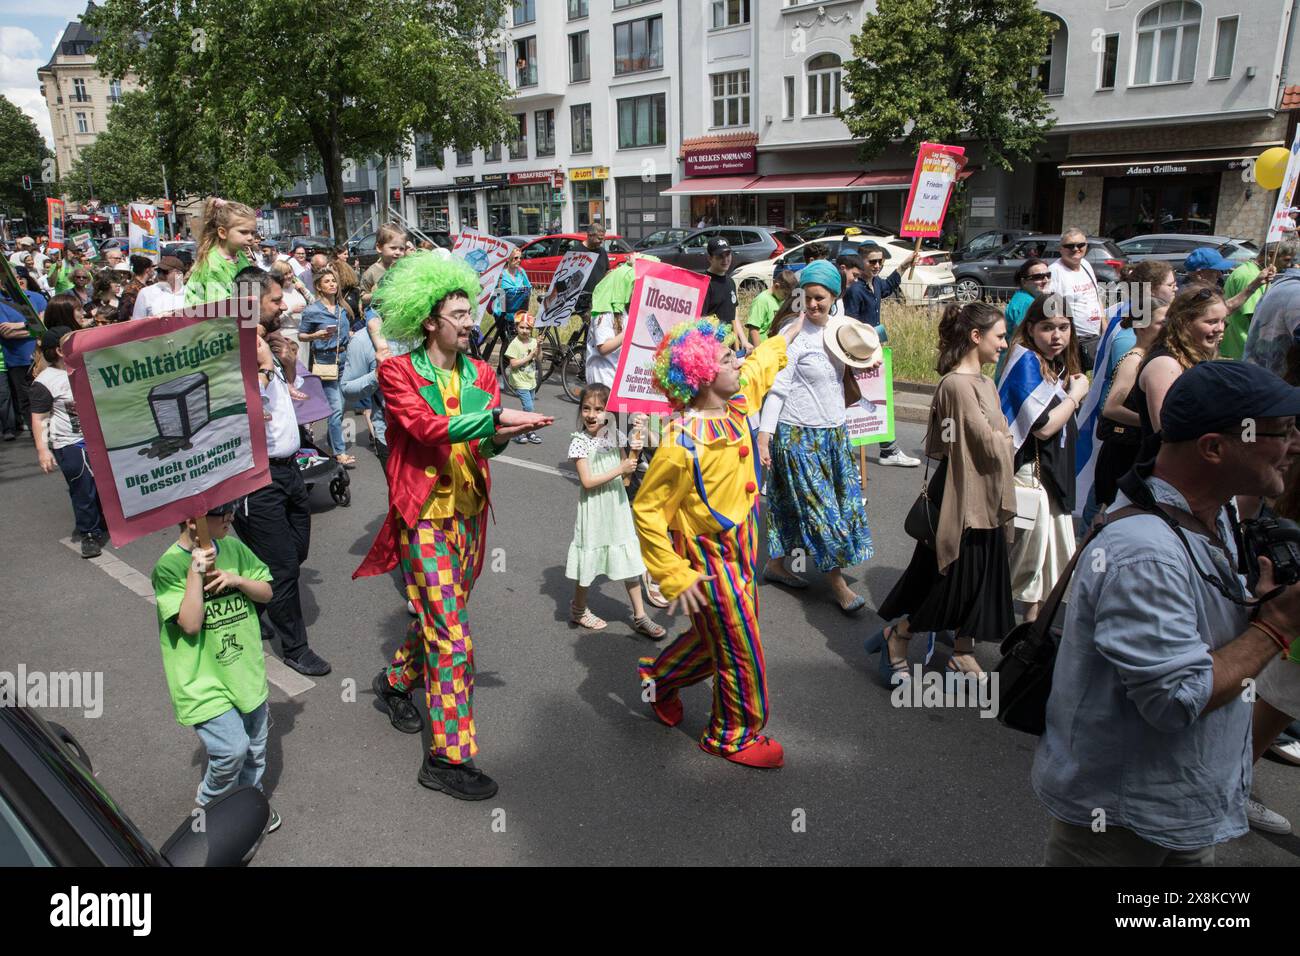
{"type": "Point", "coordinates": [722, 641]}
{"type": "Point", "coordinates": [438, 560]}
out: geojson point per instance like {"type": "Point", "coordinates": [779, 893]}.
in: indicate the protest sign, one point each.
{"type": "Point", "coordinates": [662, 296]}
{"type": "Point", "coordinates": [54, 213]}
{"type": "Point", "coordinates": [84, 243]}
{"type": "Point", "coordinates": [1286, 197]}
{"type": "Point", "coordinates": [871, 420]}
{"type": "Point", "coordinates": [172, 415]}
{"type": "Point", "coordinates": [18, 299]}
{"type": "Point", "coordinates": [487, 255]}
{"type": "Point", "coordinates": [936, 170]}
{"type": "Point", "coordinates": [142, 232]}
{"type": "Point", "coordinates": [570, 279]}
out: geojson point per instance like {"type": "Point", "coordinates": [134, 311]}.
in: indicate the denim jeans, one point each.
{"type": "Point", "coordinates": [526, 399]}
{"type": "Point", "coordinates": [81, 488]}
{"type": "Point", "coordinates": [334, 395]}
{"type": "Point", "coordinates": [236, 746]}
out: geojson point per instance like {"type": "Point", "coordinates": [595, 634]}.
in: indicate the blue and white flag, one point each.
{"type": "Point", "coordinates": [1087, 447]}
{"type": "Point", "coordinates": [1025, 393]}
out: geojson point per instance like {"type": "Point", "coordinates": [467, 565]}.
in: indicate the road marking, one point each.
{"type": "Point", "coordinates": [544, 469]}
{"type": "Point", "coordinates": [277, 672]}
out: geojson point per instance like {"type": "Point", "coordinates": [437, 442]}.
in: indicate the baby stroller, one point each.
{"type": "Point", "coordinates": [315, 464]}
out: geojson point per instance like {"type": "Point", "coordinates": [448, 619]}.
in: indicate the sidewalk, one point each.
{"type": "Point", "coordinates": [912, 402]}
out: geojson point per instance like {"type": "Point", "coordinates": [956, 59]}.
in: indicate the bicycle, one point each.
{"type": "Point", "coordinates": [482, 347]}
{"type": "Point", "coordinates": [573, 365]}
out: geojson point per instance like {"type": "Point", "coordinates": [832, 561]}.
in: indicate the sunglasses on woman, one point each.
{"type": "Point", "coordinates": [1074, 245]}
{"type": "Point", "coordinates": [1038, 276]}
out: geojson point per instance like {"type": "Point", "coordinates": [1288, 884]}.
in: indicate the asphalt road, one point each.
{"type": "Point", "coordinates": [586, 776]}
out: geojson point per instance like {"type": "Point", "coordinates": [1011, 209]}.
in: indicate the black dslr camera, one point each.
{"type": "Point", "coordinates": [1278, 540]}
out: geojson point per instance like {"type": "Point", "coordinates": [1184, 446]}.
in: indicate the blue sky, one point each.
{"type": "Point", "coordinates": [29, 30]}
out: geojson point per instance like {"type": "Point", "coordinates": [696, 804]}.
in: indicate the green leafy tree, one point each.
{"type": "Point", "coordinates": [23, 154]}
{"type": "Point", "coordinates": [124, 164]}
{"type": "Point", "coordinates": [954, 70]}
{"type": "Point", "coordinates": [252, 85]}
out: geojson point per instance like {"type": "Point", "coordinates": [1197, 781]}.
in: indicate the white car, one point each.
{"type": "Point", "coordinates": [931, 281]}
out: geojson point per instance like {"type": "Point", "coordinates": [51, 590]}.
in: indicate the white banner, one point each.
{"type": "Point", "coordinates": [1282, 221]}
{"type": "Point", "coordinates": [566, 285]}
{"type": "Point", "coordinates": [487, 255]}
{"type": "Point", "coordinates": [142, 231]}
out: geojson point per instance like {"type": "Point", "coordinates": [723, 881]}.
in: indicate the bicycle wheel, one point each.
{"type": "Point", "coordinates": [503, 375]}
{"type": "Point", "coordinates": [573, 372]}
{"type": "Point", "coordinates": [550, 354]}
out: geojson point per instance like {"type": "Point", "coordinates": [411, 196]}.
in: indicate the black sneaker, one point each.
{"type": "Point", "coordinates": [309, 663]}
{"type": "Point", "coordinates": [91, 546]}
{"type": "Point", "coordinates": [463, 781]}
{"type": "Point", "coordinates": [401, 712]}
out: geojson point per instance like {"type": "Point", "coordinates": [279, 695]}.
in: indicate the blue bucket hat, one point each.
{"type": "Point", "coordinates": [1207, 258]}
{"type": "Point", "coordinates": [820, 272]}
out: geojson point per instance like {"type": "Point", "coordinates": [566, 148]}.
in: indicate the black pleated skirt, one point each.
{"type": "Point", "coordinates": [973, 599]}
{"type": "Point", "coordinates": [1113, 462]}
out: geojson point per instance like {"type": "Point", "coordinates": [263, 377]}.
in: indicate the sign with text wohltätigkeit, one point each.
{"type": "Point", "coordinates": [171, 413]}
{"type": "Point", "coordinates": [936, 171]}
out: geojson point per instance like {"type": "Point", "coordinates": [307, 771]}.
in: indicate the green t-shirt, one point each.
{"type": "Point", "coordinates": [1234, 333]}
{"type": "Point", "coordinates": [526, 375]}
{"type": "Point", "coordinates": [614, 292]}
{"type": "Point", "coordinates": [762, 311]}
{"type": "Point", "coordinates": [222, 666]}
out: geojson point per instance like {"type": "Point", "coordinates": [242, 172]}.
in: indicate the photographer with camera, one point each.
{"type": "Point", "coordinates": [1146, 756]}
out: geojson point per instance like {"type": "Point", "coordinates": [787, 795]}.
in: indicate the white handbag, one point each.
{"type": "Point", "coordinates": [1029, 497]}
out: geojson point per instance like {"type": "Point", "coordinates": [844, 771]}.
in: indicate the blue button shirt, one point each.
{"type": "Point", "coordinates": [862, 299]}
{"type": "Point", "coordinates": [1126, 732]}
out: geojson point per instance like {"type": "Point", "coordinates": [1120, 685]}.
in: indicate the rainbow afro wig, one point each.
{"type": "Point", "coordinates": [414, 284]}
{"type": "Point", "coordinates": [687, 359]}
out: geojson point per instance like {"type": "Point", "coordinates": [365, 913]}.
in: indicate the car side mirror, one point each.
{"type": "Point", "coordinates": [227, 832]}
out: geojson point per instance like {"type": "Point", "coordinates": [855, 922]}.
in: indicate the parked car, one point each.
{"type": "Point", "coordinates": [314, 244]}
{"type": "Point", "coordinates": [986, 242]}
{"type": "Point", "coordinates": [542, 255]}
{"type": "Point", "coordinates": [994, 274]}
{"type": "Point", "coordinates": [183, 250]}
{"type": "Point", "coordinates": [518, 240]}
{"type": "Point", "coordinates": [931, 280]}
{"type": "Point", "coordinates": [748, 244]}
{"type": "Point", "coordinates": [660, 237]}
{"type": "Point", "coordinates": [1173, 247]}
{"type": "Point", "coordinates": [53, 812]}
{"type": "Point", "coordinates": [841, 229]}
{"type": "Point", "coordinates": [114, 242]}
{"type": "Point", "coordinates": [364, 253]}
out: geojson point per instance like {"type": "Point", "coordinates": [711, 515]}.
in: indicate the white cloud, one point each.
{"type": "Point", "coordinates": [64, 10]}
{"type": "Point", "coordinates": [21, 55]}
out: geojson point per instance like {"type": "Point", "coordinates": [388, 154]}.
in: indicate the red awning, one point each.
{"type": "Point", "coordinates": [804, 183]}
{"type": "Point", "coordinates": [894, 179]}
{"type": "Point", "coordinates": [706, 185]}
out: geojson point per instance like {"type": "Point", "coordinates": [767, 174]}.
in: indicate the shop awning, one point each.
{"type": "Point", "coordinates": [804, 183]}
{"type": "Point", "coordinates": [1167, 164]}
{"type": "Point", "coordinates": [708, 185]}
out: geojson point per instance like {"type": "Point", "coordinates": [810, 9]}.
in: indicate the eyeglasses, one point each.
{"type": "Point", "coordinates": [1074, 245]}
{"type": "Point", "coordinates": [1038, 276]}
{"type": "Point", "coordinates": [875, 262]}
{"type": "Point", "coordinates": [460, 317]}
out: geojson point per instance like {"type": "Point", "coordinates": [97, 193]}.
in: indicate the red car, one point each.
{"type": "Point", "coordinates": [542, 255]}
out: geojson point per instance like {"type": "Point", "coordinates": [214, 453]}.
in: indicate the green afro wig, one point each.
{"type": "Point", "coordinates": [414, 285]}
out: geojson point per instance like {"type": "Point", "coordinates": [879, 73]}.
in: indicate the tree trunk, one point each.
{"type": "Point", "coordinates": [333, 166]}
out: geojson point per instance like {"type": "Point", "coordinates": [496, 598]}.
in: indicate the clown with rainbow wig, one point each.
{"type": "Point", "coordinates": [697, 518]}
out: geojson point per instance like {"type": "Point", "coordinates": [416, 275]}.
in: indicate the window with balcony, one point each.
{"type": "Point", "coordinates": [643, 121]}
{"type": "Point", "coordinates": [577, 9]}
{"type": "Point", "coordinates": [83, 126]}
{"type": "Point", "coordinates": [79, 94]}
{"type": "Point", "coordinates": [580, 120]}
{"type": "Point", "coordinates": [1225, 47]}
{"type": "Point", "coordinates": [638, 45]}
{"type": "Point", "coordinates": [544, 130]}
{"type": "Point", "coordinates": [1167, 35]}
{"type": "Point", "coordinates": [526, 62]}
{"type": "Point", "coordinates": [519, 147]}
{"type": "Point", "coordinates": [501, 61]}
{"type": "Point", "coordinates": [824, 74]}
{"type": "Point", "coordinates": [731, 98]}
{"type": "Point", "coordinates": [525, 11]}
{"type": "Point", "coordinates": [1109, 61]}
{"type": "Point", "coordinates": [114, 91]}
{"type": "Point", "coordinates": [579, 56]}
{"type": "Point", "coordinates": [730, 13]}
{"type": "Point", "coordinates": [1051, 71]}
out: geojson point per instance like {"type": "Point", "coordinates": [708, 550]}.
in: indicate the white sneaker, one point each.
{"type": "Point", "coordinates": [1262, 818]}
{"type": "Point", "coordinates": [900, 458]}
{"type": "Point", "coordinates": [1288, 750]}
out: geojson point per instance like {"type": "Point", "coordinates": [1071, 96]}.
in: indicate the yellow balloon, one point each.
{"type": "Point", "coordinates": [1270, 168]}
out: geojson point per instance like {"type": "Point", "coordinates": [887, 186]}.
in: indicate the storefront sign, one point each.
{"type": "Point", "coordinates": [495, 178]}
{"type": "Point", "coordinates": [288, 204]}
{"type": "Point", "coordinates": [585, 173]}
{"type": "Point", "coordinates": [1179, 167]}
{"type": "Point", "coordinates": [936, 171]}
{"type": "Point", "coordinates": [323, 199]}
{"type": "Point", "coordinates": [722, 162]}
{"type": "Point", "coordinates": [462, 181]}
{"type": "Point", "coordinates": [553, 176]}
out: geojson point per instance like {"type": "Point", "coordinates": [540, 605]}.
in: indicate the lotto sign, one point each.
{"type": "Point", "coordinates": [488, 256]}
{"type": "Point", "coordinates": [936, 170]}
{"type": "Point", "coordinates": [172, 415]}
{"type": "Point", "coordinates": [142, 233]}
{"type": "Point", "coordinates": [662, 296]}
{"type": "Point", "coordinates": [54, 212]}
{"type": "Point", "coordinates": [871, 420]}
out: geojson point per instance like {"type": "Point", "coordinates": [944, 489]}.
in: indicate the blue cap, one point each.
{"type": "Point", "coordinates": [820, 272]}
{"type": "Point", "coordinates": [1219, 396]}
{"type": "Point", "coordinates": [1207, 258]}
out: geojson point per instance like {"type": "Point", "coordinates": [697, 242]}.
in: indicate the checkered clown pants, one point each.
{"type": "Point", "coordinates": [438, 559]}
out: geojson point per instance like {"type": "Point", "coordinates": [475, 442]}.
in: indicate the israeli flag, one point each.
{"type": "Point", "coordinates": [1025, 393]}
{"type": "Point", "coordinates": [1087, 447]}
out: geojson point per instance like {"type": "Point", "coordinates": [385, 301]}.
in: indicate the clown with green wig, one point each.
{"type": "Point", "coordinates": [445, 421]}
{"type": "Point", "coordinates": [697, 518]}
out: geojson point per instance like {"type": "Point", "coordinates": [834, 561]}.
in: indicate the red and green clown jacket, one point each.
{"type": "Point", "coordinates": [420, 436]}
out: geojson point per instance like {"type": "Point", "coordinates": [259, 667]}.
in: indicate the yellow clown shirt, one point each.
{"type": "Point", "coordinates": [465, 494]}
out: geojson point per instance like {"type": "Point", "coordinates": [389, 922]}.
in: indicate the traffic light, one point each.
{"type": "Point", "coordinates": [27, 183]}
